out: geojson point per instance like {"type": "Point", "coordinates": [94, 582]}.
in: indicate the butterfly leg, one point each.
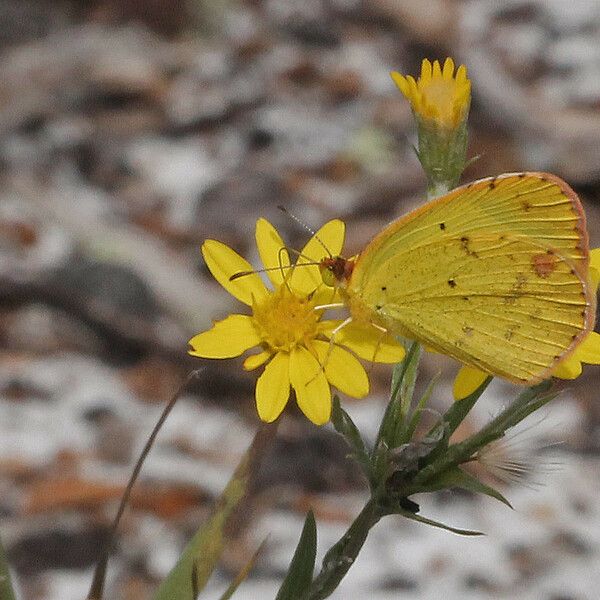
{"type": "Point", "coordinates": [331, 345]}
{"type": "Point", "coordinates": [383, 332]}
{"type": "Point", "coordinates": [327, 306]}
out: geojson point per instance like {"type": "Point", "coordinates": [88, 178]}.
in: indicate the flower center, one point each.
{"type": "Point", "coordinates": [285, 320]}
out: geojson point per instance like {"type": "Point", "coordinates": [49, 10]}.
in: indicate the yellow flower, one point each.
{"type": "Point", "coordinates": [285, 326]}
{"type": "Point", "coordinates": [438, 96]}
{"type": "Point", "coordinates": [588, 351]}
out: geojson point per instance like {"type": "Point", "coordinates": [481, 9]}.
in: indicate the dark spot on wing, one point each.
{"type": "Point", "coordinates": [451, 283]}
{"type": "Point", "coordinates": [442, 226]}
{"type": "Point", "coordinates": [464, 242]}
{"type": "Point", "coordinates": [383, 288]}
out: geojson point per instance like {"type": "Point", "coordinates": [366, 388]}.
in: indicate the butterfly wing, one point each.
{"type": "Point", "coordinates": [493, 274]}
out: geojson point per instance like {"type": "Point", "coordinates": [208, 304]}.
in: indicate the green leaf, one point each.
{"type": "Point", "coordinates": [243, 574]}
{"type": "Point", "coordinates": [458, 478]}
{"type": "Point", "coordinates": [393, 418]}
{"type": "Point", "coordinates": [299, 577]}
{"type": "Point", "coordinates": [6, 590]}
{"type": "Point", "coordinates": [199, 558]}
{"type": "Point", "coordinates": [526, 402]}
{"type": "Point", "coordinates": [459, 409]}
{"type": "Point", "coordinates": [418, 411]}
{"type": "Point", "coordinates": [426, 521]}
{"type": "Point", "coordinates": [451, 419]}
{"type": "Point", "coordinates": [343, 424]}
{"type": "Point", "coordinates": [407, 390]}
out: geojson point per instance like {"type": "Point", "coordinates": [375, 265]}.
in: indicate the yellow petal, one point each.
{"type": "Point", "coordinates": [467, 381]}
{"type": "Point", "coordinates": [366, 341]}
{"type": "Point", "coordinates": [256, 360]}
{"type": "Point", "coordinates": [414, 94]}
{"type": "Point", "coordinates": [273, 388]}
{"type": "Point", "coordinates": [227, 338]}
{"type": "Point", "coordinates": [426, 71]}
{"type": "Point", "coordinates": [313, 393]}
{"type": "Point", "coordinates": [568, 369]}
{"type": "Point", "coordinates": [401, 82]}
{"type": "Point", "coordinates": [448, 71]}
{"type": "Point", "coordinates": [306, 279]}
{"type": "Point", "coordinates": [437, 70]}
{"type": "Point", "coordinates": [272, 251]}
{"type": "Point", "coordinates": [342, 369]}
{"type": "Point", "coordinates": [223, 262]}
{"type": "Point", "coordinates": [589, 350]}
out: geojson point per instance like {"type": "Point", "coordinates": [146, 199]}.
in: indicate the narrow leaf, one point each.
{"type": "Point", "coordinates": [199, 558]}
{"type": "Point", "coordinates": [243, 574]}
{"type": "Point", "coordinates": [6, 590]}
{"type": "Point", "coordinates": [458, 478]}
{"type": "Point", "coordinates": [344, 425]}
{"type": "Point", "coordinates": [407, 390]}
{"type": "Point", "coordinates": [451, 419]}
{"type": "Point", "coordinates": [455, 415]}
{"type": "Point", "coordinates": [418, 411]}
{"type": "Point", "coordinates": [426, 521]}
{"type": "Point", "coordinates": [299, 577]}
{"type": "Point", "coordinates": [392, 419]}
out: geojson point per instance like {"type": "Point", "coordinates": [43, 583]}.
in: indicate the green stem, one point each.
{"type": "Point", "coordinates": [342, 555]}
{"type": "Point", "coordinates": [97, 587]}
{"type": "Point", "coordinates": [6, 590]}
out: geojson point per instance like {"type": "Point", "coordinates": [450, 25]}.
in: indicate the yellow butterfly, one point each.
{"type": "Point", "coordinates": [494, 274]}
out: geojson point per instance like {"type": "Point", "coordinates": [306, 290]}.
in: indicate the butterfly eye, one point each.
{"type": "Point", "coordinates": [328, 274]}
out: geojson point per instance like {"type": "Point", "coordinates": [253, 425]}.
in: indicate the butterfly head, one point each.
{"type": "Point", "coordinates": [336, 270]}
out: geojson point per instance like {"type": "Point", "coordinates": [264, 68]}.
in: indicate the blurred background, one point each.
{"type": "Point", "coordinates": [130, 131]}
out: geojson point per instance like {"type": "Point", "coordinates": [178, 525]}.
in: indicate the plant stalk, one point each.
{"type": "Point", "coordinates": [341, 556]}
{"type": "Point", "coordinates": [97, 587]}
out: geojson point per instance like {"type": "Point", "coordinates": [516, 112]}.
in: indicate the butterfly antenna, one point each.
{"type": "Point", "coordinates": [279, 268]}
{"type": "Point", "coordinates": [305, 226]}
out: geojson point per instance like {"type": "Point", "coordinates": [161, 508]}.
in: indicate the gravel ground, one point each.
{"type": "Point", "coordinates": [129, 133]}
